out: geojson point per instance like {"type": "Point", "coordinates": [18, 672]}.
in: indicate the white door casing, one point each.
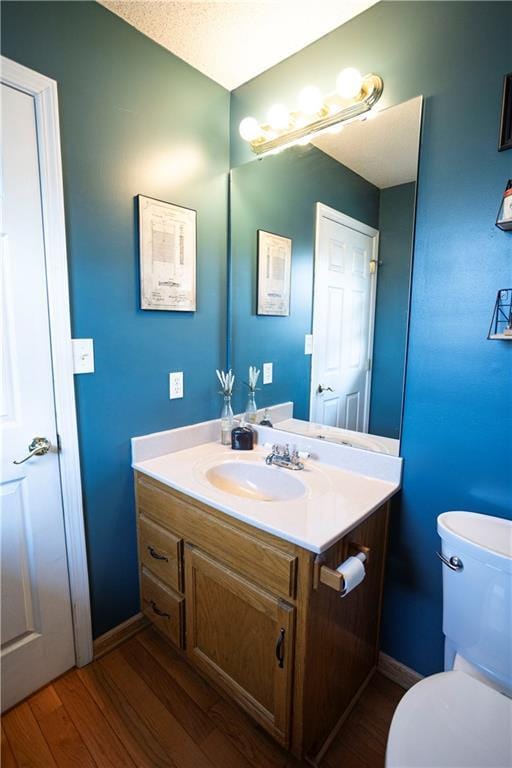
{"type": "Point", "coordinates": [346, 259]}
{"type": "Point", "coordinates": [44, 558]}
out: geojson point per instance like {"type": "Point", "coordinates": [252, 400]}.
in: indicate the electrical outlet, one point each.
{"type": "Point", "coordinates": [83, 356]}
{"type": "Point", "coordinates": [308, 344]}
{"type": "Point", "coordinates": [175, 385]}
{"type": "Point", "coordinates": [268, 370]}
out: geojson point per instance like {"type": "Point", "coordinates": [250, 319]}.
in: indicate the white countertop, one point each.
{"type": "Point", "coordinates": [362, 440]}
{"type": "Point", "coordinates": [335, 499]}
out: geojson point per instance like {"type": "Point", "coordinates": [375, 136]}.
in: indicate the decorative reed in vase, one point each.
{"type": "Point", "coordinates": [227, 380]}
{"type": "Point", "coordinates": [251, 409]}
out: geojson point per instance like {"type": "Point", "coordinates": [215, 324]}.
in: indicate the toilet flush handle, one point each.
{"type": "Point", "coordinates": [455, 563]}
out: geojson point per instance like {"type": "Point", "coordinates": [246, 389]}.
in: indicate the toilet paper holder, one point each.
{"type": "Point", "coordinates": [322, 574]}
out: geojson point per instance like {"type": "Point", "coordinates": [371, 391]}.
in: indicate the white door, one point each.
{"type": "Point", "coordinates": [36, 633]}
{"type": "Point", "coordinates": [343, 320]}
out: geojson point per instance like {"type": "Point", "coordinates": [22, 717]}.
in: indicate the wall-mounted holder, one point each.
{"type": "Point", "coordinates": [332, 578]}
{"type": "Point", "coordinates": [504, 217]}
{"type": "Point", "coordinates": [501, 323]}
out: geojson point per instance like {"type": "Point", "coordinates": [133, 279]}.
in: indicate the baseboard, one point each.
{"type": "Point", "coordinates": [397, 672]}
{"type": "Point", "coordinates": [114, 637]}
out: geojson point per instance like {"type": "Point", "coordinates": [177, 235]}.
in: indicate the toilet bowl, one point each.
{"type": "Point", "coordinates": [462, 718]}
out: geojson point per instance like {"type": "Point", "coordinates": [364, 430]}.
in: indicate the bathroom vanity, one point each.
{"type": "Point", "coordinates": [244, 582]}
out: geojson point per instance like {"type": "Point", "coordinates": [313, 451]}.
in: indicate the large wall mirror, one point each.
{"type": "Point", "coordinates": [346, 202]}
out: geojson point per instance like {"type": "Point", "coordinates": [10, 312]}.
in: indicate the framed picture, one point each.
{"type": "Point", "coordinates": [167, 250]}
{"type": "Point", "coordinates": [274, 274]}
{"type": "Point", "coordinates": [505, 140]}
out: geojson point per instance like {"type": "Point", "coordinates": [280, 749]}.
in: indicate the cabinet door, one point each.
{"type": "Point", "coordinates": [242, 638]}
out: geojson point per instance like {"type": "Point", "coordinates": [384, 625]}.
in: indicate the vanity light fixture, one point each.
{"type": "Point", "coordinates": [354, 97]}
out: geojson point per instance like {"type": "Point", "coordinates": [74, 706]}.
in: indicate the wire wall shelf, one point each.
{"type": "Point", "coordinates": [501, 323]}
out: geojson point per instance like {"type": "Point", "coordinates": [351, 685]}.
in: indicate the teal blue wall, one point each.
{"type": "Point", "coordinates": [396, 224]}
{"type": "Point", "coordinates": [458, 418]}
{"type": "Point", "coordinates": [278, 194]}
{"type": "Point", "coordinates": [134, 119]}
{"type": "Point", "coordinates": [127, 104]}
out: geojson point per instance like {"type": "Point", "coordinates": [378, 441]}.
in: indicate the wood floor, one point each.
{"type": "Point", "coordinates": [142, 706]}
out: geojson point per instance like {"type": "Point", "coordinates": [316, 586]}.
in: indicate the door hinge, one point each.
{"type": "Point", "coordinates": [59, 443]}
{"type": "Point", "coordinates": [369, 364]}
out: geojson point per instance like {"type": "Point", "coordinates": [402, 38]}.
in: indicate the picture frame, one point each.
{"type": "Point", "coordinates": [167, 255]}
{"type": "Point", "coordinates": [505, 137]}
{"type": "Point", "coordinates": [274, 262]}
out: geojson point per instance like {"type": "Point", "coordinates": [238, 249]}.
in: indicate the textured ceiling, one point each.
{"type": "Point", "coordinates": [234, 41]}
{"type": "Point", "coordinates": [384, 149]}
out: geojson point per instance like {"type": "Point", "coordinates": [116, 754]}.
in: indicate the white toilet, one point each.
{"type": "Point", "coordinates": [462, 718]}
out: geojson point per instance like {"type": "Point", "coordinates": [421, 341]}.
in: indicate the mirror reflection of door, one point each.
{"type": "Point", "coordinates": [343, 320]}
{"type": "Point", "coordinates": [364, 176]}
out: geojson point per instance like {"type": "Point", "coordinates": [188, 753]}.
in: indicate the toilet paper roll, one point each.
{"type": "Point", "coordinates": [353, 571]}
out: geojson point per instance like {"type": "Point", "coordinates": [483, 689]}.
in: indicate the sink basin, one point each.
{"type": "Point", "coordinates": [255, 481]}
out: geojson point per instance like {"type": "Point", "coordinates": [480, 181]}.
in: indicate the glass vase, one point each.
{"type": "Point", "coordinates": [251, 411]}
{"type": "Point", "coordinates": [226, 421]}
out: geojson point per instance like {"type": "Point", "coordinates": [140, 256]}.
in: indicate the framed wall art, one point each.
{"type": "Point", "coordinates": [274, 274]}
{"type": "Point", "coordinates": [168, 251]}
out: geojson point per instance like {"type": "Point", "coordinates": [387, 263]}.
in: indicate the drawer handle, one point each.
{"type": "Point", "coordinates": [157, 610]}
{"type": "Point", "coordinates": [155, 554]}
{"type": "Point", "coordinates": [280, 647]}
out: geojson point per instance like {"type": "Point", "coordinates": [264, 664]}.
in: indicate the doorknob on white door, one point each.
{"type": "Point", "coordinates": [38, 447]}
{"type": "Point", "coordinates": [323, 389]}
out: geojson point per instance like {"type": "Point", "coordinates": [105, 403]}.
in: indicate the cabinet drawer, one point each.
{"type": "Point", "coordinates": [261, 562]}
{"type": "Point", "coordinates": [161, 552]}
{"type": "Point", "coordinates": [163, 607]}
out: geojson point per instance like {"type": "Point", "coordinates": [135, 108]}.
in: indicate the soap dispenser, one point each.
{"type": "Point", "coordinates": [242, 438]}
{"type": "Point", "coordinates": [265, 422]}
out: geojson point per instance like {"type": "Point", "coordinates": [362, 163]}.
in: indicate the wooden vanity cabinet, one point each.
{"type": "Point", "coordinates": [253, 617]}
{"type": "Point", "coordinates": [241, 637]}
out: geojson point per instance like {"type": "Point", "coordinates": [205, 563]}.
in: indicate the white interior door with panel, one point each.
{"type": "Point", "coordinates": [346, 259]}
{"type": "Point", "coordinates": [37, 628]}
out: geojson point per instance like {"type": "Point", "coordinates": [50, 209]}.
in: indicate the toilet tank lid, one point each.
{"type": "Point", "coordinates": [484, 533]}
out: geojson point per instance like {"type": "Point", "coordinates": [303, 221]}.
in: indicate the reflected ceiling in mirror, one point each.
{"type": "Point", "coordinates": [347, 204]}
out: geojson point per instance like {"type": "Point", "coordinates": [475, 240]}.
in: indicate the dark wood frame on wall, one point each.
{"type": "Point", "coordinates": [505, 139]}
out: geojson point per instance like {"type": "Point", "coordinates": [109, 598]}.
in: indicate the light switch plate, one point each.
{"type": "Point", "coordinates": [268, 372]}
{"type": "Point", "coordinates": [175, 385]}
{"type": "Point", "coordinates": [308, 344]}
{"type": "Point", "coordinates": [83, 355]}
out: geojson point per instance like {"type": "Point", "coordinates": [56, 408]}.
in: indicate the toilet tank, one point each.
{"type": "Point", "coordinates": [477, 598]}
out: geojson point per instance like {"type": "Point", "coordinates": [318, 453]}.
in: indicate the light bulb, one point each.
{"type": "Point", "coordinates": [249, 129]}
{"type": "Point", "coordinates": [310, 100]}
{"type": "Point", "coordinates": [278, 117]}
{"type": "Point", "coordinates": [349, 82]}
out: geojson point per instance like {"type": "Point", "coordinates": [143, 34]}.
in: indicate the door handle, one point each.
{"type": "Point", "coordinates": [323, 389]}
{"type": "Point", "coordinates": [38, 447]}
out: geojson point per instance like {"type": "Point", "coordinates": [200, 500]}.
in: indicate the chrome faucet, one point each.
{"type": "Point", "coordinates": [281, 457]}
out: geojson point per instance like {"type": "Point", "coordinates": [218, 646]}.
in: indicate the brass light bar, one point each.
{"type": "Point", "coordinates": [330, 115]}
